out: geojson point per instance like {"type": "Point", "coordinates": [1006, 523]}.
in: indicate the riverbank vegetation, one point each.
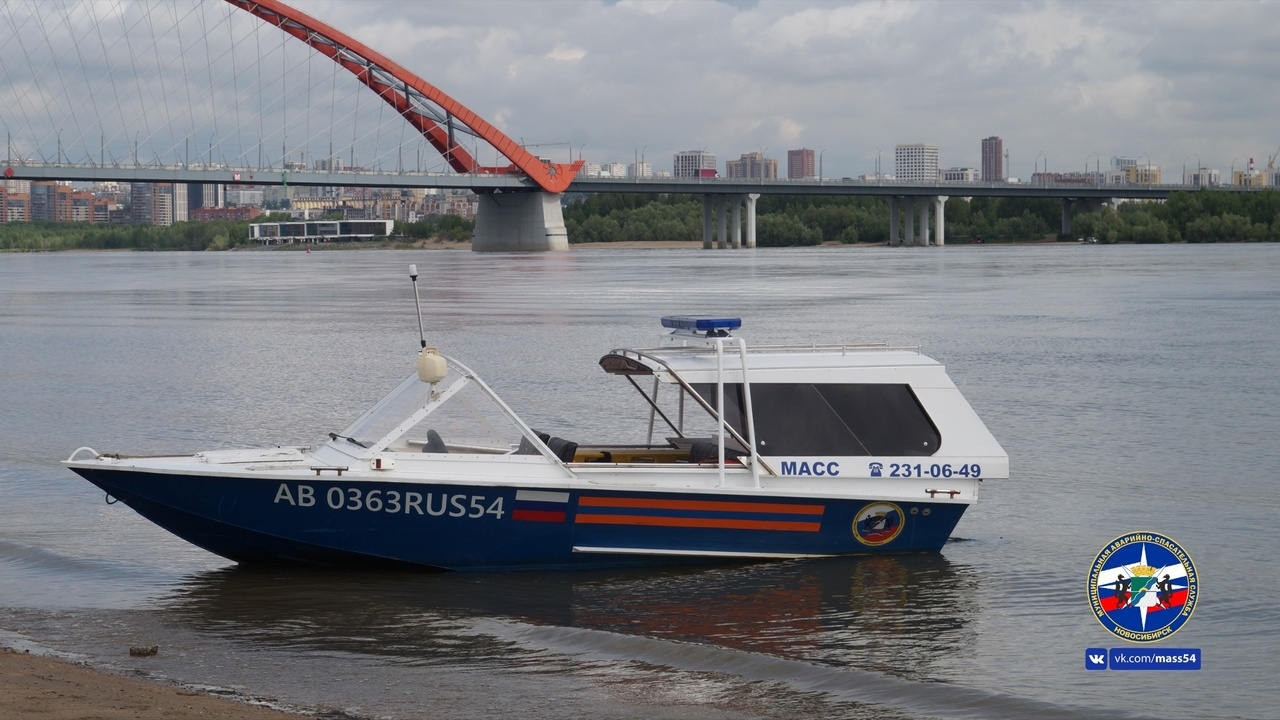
{"type": "Point", "coordinates": [218, 235]}
{"type": "Point", "coordinates": [1205, 216]}
{"type": "Point", "coordinates": [781, 221]}
{"type": "Point", "coordinates": [1197, 217]}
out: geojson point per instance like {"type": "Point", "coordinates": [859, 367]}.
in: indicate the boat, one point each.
{"type": "Point", "coordinates": [743, 453]}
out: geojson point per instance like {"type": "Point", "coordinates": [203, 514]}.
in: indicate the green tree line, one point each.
{"type": "Point", "coordinates": [781, 221]}
{"type": "Point", "coordinates": [1198, 217]}
{"type": "Point", "coordinates": [217, 235]}
{"type": "Point", "coordinates": [47, 236]}
{"type": "Point", "coordinates": [1204, 216]}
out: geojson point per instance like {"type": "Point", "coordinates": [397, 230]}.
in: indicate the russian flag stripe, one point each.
{"type": "Point", "coordinates": [537, 515]}
{"type": "Point", "coordinates": [542, 496]}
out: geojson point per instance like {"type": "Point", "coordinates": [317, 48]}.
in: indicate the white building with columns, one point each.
{"type": "Point", "coordinates": [959, 174]}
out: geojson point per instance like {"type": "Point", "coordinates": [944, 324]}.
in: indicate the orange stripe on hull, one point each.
{"type": "Point", "coordinates": [721, 523]}
{"type": "Point", "coordinates": [661, 504]}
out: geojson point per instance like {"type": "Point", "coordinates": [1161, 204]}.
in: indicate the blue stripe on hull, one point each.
{"type": "Point", "coordinates": [339, 522]}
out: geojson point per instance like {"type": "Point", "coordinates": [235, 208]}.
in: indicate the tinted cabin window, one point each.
{"type": "Point", "coordinates": [806, 419]}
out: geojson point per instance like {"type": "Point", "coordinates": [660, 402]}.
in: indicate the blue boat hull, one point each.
{"type": "Point", "coordinates": [341, 522]}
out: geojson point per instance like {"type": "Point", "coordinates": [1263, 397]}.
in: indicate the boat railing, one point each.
{"type": "Point", "coordinates": [724, 425]}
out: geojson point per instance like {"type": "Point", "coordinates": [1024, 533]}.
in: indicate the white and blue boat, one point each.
{"type": "Point", "coordinates": [749, 453]}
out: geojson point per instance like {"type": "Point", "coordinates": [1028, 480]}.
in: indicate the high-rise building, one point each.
{"type": "Point", "coordinates": [202, 195]}
{"type": "Point", "coordinates": [916, 162]}
{"type": "Point", "coordinates": [640, 169]}
{"type": "Point", "coordinates": [141, 208]}
{"type": "Point", "coordinates": [82, 207]}
{"type": "Point", "coordinates": [992, 159]}
{"type": "Point", "coordinates": [751, 166]}
{"type": "Point", "coordinates": [693, 163]}
{"type": "Point", "coordinates": [800, 164]}
{"type": "Point", "coordinates": [161, 204]}
{"type": "Point", "coordinates": [17, 207]}
{"type": "Point", "coordinates": [50, 201]}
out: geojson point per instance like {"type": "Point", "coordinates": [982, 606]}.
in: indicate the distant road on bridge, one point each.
{"type": "Point", "coordinates": [682, 186]}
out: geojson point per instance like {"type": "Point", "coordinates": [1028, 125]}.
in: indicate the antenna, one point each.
{"type": "Point", "coordinates": [413, 276]}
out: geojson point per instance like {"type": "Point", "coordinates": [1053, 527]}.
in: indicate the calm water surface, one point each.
{"type": "Point", "coordinates": [1134, 388]}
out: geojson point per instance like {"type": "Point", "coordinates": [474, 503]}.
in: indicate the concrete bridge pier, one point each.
{"type": "Point", "coordinates": [519, 222]}
{"type": "Point", "coordinates": [736, 237]}
{"type": "Point", "coordinates": [722, 219]}
{"type": "Point", "coordinates": [923, 239]}
{"type": "Point", "coordinates": [706, 222]}
{"type": "Point", "coordinates": [722, 238]}
{"type": "Point", "coordinates": [939, 218]}
{"type": "Point", "coordinates": [1066, 216]}
{"type": "Point", "coordinates": [894, 238]}
{"type": "Point", "coordinates": [909, 215]}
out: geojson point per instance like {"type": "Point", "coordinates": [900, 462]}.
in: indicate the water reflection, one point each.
{"type": "Point", "coordinates": [887, 614]}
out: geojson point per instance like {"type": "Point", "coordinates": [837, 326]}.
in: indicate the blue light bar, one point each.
{"type": "Point", "coordinates": [701, 323]}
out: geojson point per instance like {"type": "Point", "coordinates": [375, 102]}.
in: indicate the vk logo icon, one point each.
{"type": "Point", "coordinates": [1095, 659]}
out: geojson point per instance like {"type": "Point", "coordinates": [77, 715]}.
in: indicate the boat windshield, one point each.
{"type": "Point", "coordinates": [455, 416]}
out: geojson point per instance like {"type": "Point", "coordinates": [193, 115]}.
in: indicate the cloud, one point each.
{"type": "Point", "coordinates": [565, 54]}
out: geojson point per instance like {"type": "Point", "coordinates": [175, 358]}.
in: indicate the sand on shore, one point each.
{"type": "Point", "coordinates": [38, 686]}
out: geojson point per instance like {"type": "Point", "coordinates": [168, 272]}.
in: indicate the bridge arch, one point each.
{"type": "Point", "coordinates": [425, 107]}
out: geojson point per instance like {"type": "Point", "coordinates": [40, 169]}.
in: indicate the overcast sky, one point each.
{"type": "Point", "coordinates": [1060, 82]}
{"type": "Point", "coordinates": [1063, 83]}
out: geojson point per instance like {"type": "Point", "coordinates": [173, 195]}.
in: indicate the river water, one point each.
{"type": "Point", "coordinates": [1134, 388]}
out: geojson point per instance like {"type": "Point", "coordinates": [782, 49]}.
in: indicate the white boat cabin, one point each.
{"type": "Point", "coordinates": [812, 412]}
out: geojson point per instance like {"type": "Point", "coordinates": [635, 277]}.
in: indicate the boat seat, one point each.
{"type": "Point", "coordinates": [564, 449]}
{"type": "Point", "coordinates": [708, 451]}
{"type": "Point", "coordinates": [434, 443]}
{"type": "Point", "coordinates": [527, 448]}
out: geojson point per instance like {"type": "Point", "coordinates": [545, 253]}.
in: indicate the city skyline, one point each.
{"type": "Point", "coordinates": [1065, 82]}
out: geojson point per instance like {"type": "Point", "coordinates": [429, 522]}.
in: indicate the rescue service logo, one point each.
{"type": "Point", "coordinates": [878, 523]}
{"type": "Point", "coordinates": [1142, 587]}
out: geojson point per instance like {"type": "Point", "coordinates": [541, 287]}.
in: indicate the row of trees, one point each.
{"type": "Point", "coordinates": [1204, 216]}
{"type": "Point", "coordinates": [219, 235]}
{"type": "Point", "coordinates": [781, 221]}
{"type": "Point", "coordinates": [48, 236]}
{"type": "Point", "coordinates": [1198, 217]}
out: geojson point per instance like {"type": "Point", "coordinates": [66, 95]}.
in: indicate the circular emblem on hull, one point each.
{"type": "Point", "coordinates": [878, 523]}
{"type": "Point", "coordinates": [1143, 587]}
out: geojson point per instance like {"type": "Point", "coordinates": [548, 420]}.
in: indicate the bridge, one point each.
{"type": "Point", "coordinates": [520, 207]}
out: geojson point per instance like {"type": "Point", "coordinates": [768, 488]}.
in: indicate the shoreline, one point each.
{"type": "Point", "coordinates": [33, 685]}
{"type": "Point", "coordinates": [465, 246]}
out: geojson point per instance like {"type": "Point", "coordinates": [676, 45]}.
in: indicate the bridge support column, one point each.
{"type": "Point", "coordinates": [923, 240]}
{"type": "Point", "coordinates": [894, 238]}
{"type": "Point", "coordinates": [1066, 216]}
{"type": "Point", "coordinates": [519, 222]}
{"type": "Point", "coordinates": [706, 222]}
{"type": "Point", "coordinates": [736, 237]}
{"type": "Point", "coordinates": [751, 218]}
{"type": "Point", "coordinates": [909, 218]}
{"type": "Point", "coordinates": [722, 237]}
{"type": "Point", "coordinates": [939, 217]}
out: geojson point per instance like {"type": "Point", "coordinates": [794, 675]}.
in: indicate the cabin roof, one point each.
{"type": "Point", "coordinates": [698, 360]}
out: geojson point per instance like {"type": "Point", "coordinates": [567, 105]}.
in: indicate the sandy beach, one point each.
{"type": "Point", "coordinates": [38, 686]}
